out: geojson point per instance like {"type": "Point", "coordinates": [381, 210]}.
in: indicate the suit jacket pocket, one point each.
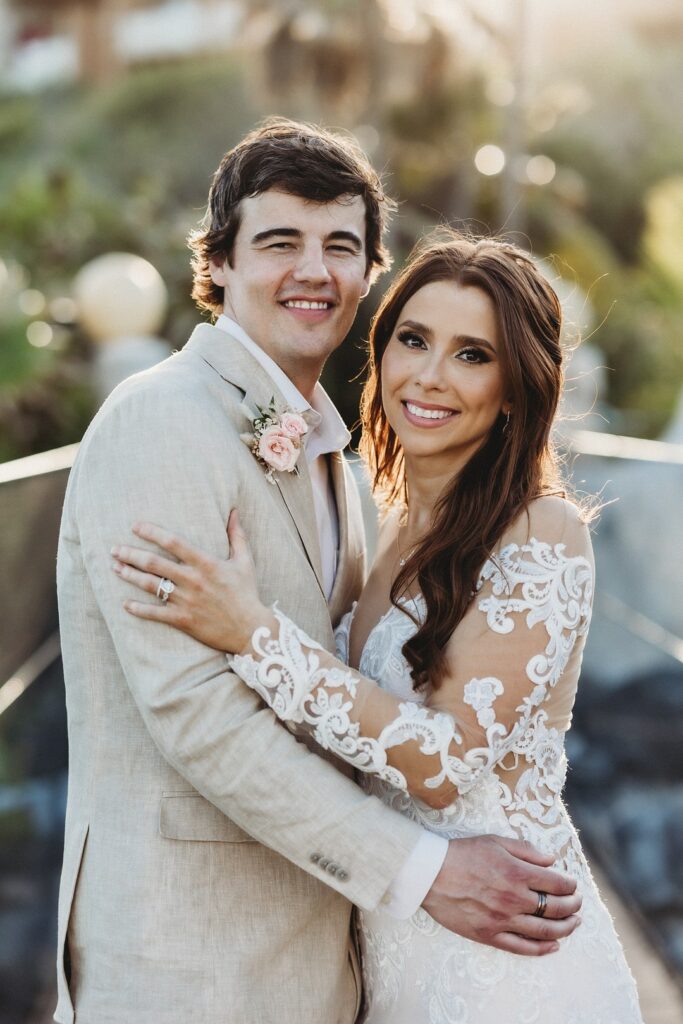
{"type": "Point", "coordinates": [188, 816]}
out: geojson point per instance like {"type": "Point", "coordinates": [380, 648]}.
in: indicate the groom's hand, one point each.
{"type": "Point", "coordinates": [487, 891]}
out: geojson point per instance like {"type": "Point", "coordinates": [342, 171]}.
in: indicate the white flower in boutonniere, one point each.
{"type": "Point", "coordinates": [277, 439]}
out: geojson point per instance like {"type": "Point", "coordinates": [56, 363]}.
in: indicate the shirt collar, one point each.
{"type": "Point", "coordinates": [328, 432]}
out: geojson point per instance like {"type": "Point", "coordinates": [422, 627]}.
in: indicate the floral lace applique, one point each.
{"type": "Point", "coordinates": [286, 671]}
{"type": "Point", "coordinates": [304, 686]}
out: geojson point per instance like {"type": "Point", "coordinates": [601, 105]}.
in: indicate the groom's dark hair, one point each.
{"type": "Point", "coordinates": [301, 159]}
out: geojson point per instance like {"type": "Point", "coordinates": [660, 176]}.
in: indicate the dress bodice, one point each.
{"type": "Point", "coordinates": [382, 657]}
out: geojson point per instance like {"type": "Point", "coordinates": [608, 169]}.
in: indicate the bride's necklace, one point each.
{"type": "Point", "coordinates": [402, 559]}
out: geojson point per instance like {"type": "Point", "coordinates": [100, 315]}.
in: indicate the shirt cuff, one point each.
{"type": "Point", "coordinates": [418, 874]}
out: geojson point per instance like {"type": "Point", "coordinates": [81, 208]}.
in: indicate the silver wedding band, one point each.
{"type": "Point", "coordinates": [165, 589]}
{"type": "Point", "coordinates": [542, 904]}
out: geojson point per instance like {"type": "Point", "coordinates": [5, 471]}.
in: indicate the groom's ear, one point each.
{"type": "Point", "coordinates": [217, 272]}
{"type": "Point", "coordinates": [367, 285]}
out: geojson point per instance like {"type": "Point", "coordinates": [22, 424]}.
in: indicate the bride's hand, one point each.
{"type": "Point", "coordinates": [216, 601]}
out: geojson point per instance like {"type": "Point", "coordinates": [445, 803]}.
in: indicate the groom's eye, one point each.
{"type": "Point", "coordinates": [345, 245]}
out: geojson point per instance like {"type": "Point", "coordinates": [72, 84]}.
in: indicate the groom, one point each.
{"type": "Point", "coordinates": [211, 860]}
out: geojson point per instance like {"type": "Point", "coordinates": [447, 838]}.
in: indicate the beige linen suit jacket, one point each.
{"type": "Point", "coordinates": [211, 859]}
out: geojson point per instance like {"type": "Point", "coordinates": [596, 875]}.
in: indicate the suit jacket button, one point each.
{"type": "Point", "coordinates": [315, 857]}
{"type": "Point", "coordinates": [332, 869]}
{"type": "Point", "coordinates": [324, 862]}
{"type": "Point", "coordinates": [342, 875]}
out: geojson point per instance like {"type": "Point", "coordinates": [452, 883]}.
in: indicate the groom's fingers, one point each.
{"type": "Point", "coordinates": [554, 883]}
{"type": "Point", "coordinates": [526, 851]}
{"type": "Point", "coordinates": [540, 929]}
{"type": "Point", "coordinates": [511, 943]}
{"type": "Point", "coordinates": [558, 907]}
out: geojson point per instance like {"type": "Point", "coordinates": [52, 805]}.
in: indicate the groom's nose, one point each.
{"type": "Point", "coordinates": [311, 266]}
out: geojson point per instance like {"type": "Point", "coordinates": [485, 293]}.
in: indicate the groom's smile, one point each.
{"type": "Point", "coordinates": [310, 309]}
{"type": "Point", "coordinates": [297, 273]}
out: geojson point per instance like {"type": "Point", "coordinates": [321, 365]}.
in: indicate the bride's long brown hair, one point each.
{"type": "Point", "coordinates": [516, 462]}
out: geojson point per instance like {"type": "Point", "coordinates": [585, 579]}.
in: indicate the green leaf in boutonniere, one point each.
{"type": "Point", "coordinates": [276, 441]}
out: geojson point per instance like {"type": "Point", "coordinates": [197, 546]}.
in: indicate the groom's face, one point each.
{"type": "Point", "coordinates": [299, 270]}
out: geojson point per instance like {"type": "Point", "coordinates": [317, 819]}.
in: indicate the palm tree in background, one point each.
{"type": "Point", "coordinates": [332, 60]}
{"type": "Point", "coordinates": [90, 21]}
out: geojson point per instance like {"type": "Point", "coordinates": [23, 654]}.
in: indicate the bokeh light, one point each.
{"type": "Point", "coordinates": [31, 302]}
{"type": "Point", "coordinates": [489, 160]}
{"type": "Point", "coordinates": [540, 170]}
{"type": "Point", "coordinates": [63, 310]}
{"type": "Point", "coordinates": [39, 334]}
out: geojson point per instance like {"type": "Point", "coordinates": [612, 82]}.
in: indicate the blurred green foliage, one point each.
{"type": "Point", "coordinates": [85, 172]}
{"type": "Point", "coordinates": [127, 167]}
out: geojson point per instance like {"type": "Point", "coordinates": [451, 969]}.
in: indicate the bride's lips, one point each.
{"type": "Point", "coordinates": [440, 414]}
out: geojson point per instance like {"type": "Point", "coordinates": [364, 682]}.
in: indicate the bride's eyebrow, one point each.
{"type": "Point", "coordinates": [415, 325]}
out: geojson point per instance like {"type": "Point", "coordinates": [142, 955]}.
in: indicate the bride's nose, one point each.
{"type": "Point", "coordinates": [431, 372]}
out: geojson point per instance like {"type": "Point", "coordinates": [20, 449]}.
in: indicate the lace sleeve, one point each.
{"type": "Point", "coordinates": [476, 717]}
{"type": "Point", "coordinates": [345, 713]}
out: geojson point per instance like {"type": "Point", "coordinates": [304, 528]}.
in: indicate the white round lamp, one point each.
{"type": "Point", "coordinates": [122, 301]}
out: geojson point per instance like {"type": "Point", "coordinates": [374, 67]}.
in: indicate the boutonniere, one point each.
{"type": "Point", "coordinates": [276, 439]}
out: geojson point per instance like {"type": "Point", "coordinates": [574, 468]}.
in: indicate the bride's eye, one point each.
{"type": "Point", "coordinates": [472, 355]}
{"type": "Point", "coordinates": [410, 339]}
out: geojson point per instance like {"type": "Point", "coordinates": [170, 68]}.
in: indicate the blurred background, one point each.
{"type": "Point", "coordinates": [558, 123]}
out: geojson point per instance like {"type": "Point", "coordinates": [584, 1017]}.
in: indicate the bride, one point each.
{"type": "Point", "coordinates": [458, 666]}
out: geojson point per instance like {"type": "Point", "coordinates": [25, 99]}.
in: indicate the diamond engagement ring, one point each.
{"type": "Point", "coordinates": [542, 904]}
{"type": "Point", "coordinates": [165, 589]}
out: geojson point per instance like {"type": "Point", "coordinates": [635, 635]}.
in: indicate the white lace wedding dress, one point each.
{"type": "Point", "coordinates": [416, 972]}
{"type": "Point", "coordinates": [500, 743]}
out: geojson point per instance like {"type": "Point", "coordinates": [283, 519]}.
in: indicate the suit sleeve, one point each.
{"type": "Point", "coordinates": [143, 461]}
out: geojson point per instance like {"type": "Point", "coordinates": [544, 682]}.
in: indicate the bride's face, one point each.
{"type": "Point", "coordinates": [442, 381]}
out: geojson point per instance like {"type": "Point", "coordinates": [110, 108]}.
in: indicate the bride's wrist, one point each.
{"type": "Point", "coordinates": [255, 619]}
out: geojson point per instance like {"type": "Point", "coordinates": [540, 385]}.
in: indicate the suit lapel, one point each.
{"type": "Point", "coordinates": [339, 597]}
{"type": "Point", "coordinates": [229, 358]}
{"type": "Point", "coordinates": [297, 494]}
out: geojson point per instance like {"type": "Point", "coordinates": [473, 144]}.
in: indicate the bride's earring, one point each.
{"type": "Point", "coordinates": [507, 422]}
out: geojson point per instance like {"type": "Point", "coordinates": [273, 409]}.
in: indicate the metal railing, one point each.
{"type": "Point", "coordinates": [57, 463]}
{"type": "Point", "coordinates": [31, 495]}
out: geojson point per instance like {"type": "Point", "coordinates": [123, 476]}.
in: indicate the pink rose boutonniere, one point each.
{"type": "Point", "coordinates": [276, 440]}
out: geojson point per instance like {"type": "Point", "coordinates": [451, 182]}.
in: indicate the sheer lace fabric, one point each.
{"type": "Point", "coordinates": [491, 736]}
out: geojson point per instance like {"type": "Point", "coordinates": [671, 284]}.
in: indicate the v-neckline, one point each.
{"type": "Point", "coordinates": [417, 601]}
